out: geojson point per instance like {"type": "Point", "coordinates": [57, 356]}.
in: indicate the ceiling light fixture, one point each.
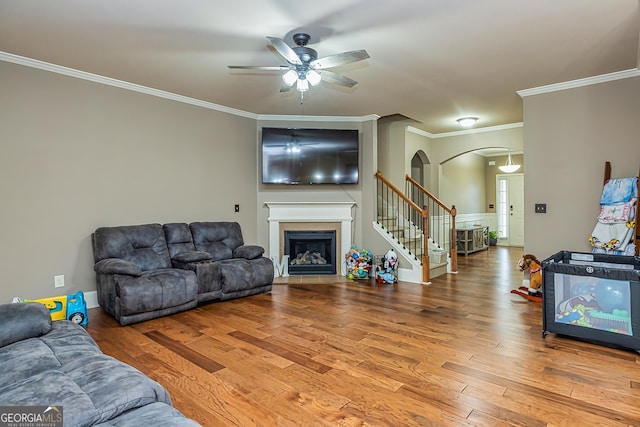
{"type": "Point", "coordinates": [314, 77]}
{"type": "Point", "coordinates": [510, 167]}
{"type": "Point", "coordinates": [301, 79]}
{"type": "Point", "coordinates": [290, 77]}
{"type": "Point", "coordinates": [467, 122]}
{"type": "Point", "coordinates": [302, 85]}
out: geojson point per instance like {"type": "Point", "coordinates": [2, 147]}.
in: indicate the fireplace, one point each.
{"type": "Point", "coordinates": [310, 251]}
{"type": "Point", "coordinates": [310, 216]}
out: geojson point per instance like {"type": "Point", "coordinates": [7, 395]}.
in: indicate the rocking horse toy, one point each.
{"type": "Point", "coordinates": [533, 292]}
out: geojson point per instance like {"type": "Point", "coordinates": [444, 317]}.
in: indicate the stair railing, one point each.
{"type": "Point", "coordinates": [397, 214]}
{"type": "Point", "coordinates": [442, 227]}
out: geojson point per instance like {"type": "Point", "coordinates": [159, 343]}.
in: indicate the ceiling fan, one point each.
{"type": "Point", "coordinates": [304, 67]}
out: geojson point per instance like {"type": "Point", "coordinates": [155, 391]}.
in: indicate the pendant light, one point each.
{"type": "Point", "coordinates": [510, 167]}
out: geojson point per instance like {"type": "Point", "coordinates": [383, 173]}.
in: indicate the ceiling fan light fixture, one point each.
{"type": "Point", "coordinates": [510, 167]}
{"type": "Point", "coordinates": [302, 85]}
{"type": "Point", "coordinates": [313, 77]}
{"type": "Point", "coordinates": [290, 77]}
{"type": "Point", "coordinates": [467, 122]}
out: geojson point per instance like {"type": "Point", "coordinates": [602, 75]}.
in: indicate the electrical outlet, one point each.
{"type": "Point", "coordinates": [541, 208]}
{"type": "Point", "coordinates": [236, 208]}
{"type": "Point", "coordinates": [58, 281]}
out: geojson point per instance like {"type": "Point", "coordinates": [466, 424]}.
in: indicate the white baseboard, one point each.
{"type": "Point", "coordinates": [91, 298]}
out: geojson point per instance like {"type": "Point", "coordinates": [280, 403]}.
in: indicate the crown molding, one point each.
{"type": "Point", "coordinates": [297, 118]}
{"type": "Point", "coordinates": [420, 132]}
{"type": "Point", "coordinates": [466, 131]}
{"type": "Point", "coordinates": [46, 66]}
{"type": "Point", "coordinates": [603, 78]}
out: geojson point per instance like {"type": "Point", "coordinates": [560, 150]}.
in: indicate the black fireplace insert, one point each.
{"type": "Point", "coordinates": [310, 251]}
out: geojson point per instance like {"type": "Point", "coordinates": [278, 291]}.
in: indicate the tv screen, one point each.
{"type": "Point", "coordinates": [309, 156]}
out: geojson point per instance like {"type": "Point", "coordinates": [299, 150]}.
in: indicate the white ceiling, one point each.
{"type": "Point", "coordinates": [431, 60]}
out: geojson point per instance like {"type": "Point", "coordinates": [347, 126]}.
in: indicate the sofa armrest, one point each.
{"type": "Point", "coordinates": [117, 266]}
{"type": "Point", "coordinates": [248, 251]}
{"type": "Point", "coordinates": [23, 320]}
{"type": "Point", "coordinates": [192, 256]}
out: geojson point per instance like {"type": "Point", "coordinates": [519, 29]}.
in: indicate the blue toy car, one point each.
{"type": "Point", "coordinates": [66, 307]}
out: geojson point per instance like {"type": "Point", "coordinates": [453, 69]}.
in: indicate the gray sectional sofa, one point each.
{"type": "Point", "coordinates": [152, 270]}
{"type": "Point", "coordinates": [58, 366]}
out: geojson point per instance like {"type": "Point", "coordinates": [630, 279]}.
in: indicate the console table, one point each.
{"type": "Point", "coordinates": [473, 239]}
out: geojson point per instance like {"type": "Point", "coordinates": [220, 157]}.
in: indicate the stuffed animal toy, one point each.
{"type": "Point", "coordinates": [391, 258]}
{"type": "Point", "coordinates": [385, 271]}
{"type": "Point", "coordinates": [530, 263]}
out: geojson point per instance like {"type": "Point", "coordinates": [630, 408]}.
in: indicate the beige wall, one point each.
{"type": "Point", "coordinates": [568, 137]}
{"type": "Point", "coordinates": [462, 183]}
{"type": "Point", "coordinates": [77, 155]}
{"type": "Point", "coordinates": [393, 151]}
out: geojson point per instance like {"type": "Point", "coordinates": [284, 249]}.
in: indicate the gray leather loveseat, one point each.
{"type": "Point", "coordinates": [152, 270]}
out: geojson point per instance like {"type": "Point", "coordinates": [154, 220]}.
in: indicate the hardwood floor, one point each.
{"type": "Point", "coordinates": [325, 351]}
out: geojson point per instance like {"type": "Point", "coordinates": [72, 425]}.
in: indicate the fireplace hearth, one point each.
{"type": "Point", "coordinates": [310, 251]}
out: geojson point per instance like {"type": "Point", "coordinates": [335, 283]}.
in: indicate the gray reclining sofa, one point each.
{"type": "Point", "coordinates": [152, 270]}
{"type": "Point", "coordinates": [59, 367]}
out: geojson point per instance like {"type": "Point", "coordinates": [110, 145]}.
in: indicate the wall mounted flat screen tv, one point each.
{"type": "Point", "coordinates": [309, 156]}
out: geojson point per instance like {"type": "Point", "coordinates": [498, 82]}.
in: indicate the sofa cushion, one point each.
{"type": "Point", "coordinates": [193, 256]}
{"type": "Point", "coordinates": [23, 320]}
{"type": "Point", "coordinates": [143, 245]}
{"type": "Point", "coordinates": [179, 240]}
{"type": "Point", "coordinates": [248, 251]}
{"type": "Point", "coordinates": [218, 250]}
{"type": "Point", "coordinates": [155, 290]}
{"type": "Point", "coordinates": [242, 274]}
{"type": "Point", "coordinates": [32, 356]}
{"type": "Point", "coordinates": [217, 238]}
{"type": "Point", "coordinates": [117, 266]}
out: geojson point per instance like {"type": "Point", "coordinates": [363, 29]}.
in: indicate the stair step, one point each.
{"type": "Point", "coordinates": [388, 222]}
{"type": "Point", "coordinates": [438, 270]}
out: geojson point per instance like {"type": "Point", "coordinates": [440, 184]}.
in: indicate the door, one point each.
{"type": "Point", "coordinates": [510, 204]}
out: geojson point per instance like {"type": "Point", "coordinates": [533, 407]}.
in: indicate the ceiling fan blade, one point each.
{"type": "Point", "coordinates": [284, 50]}
{"type": "Point", "coordinates": [337, 78]}
{"type": "Point", "coordinates": [253, 67]}
{"type": "Point", "coordinates": [339, 59]}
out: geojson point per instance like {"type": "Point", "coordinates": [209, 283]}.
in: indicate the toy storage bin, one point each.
{"type": "Point", "coordinates": [384, 272]}
{"type": "Point", "coordinates": [595, 297]}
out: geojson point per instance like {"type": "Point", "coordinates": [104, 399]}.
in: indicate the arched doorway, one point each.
{"type": "Point", "coordinates": [420, 174]}
{"type": "Point", "coordinates": [420, 169]}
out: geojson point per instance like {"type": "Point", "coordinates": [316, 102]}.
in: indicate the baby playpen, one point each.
{"type": "Point", "coordinates": [595, 297]}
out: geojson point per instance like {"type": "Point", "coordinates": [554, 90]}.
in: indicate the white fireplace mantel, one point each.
{"type": "Point", "coordinates": [338, 212]}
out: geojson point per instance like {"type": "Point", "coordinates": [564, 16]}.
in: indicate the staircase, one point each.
{"type": "Point", "coordinates": [412, 229]}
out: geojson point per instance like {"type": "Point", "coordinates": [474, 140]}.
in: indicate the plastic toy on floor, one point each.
{"type": "Point", "coordinates": [533, 292]}
{"type": "Point", "coordinates": [66, 307]}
